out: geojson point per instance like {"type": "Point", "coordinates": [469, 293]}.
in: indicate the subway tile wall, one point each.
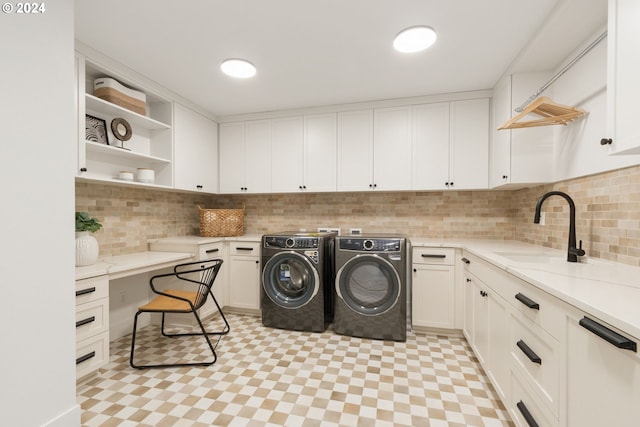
{"type": "Point", "coordinates": [607, 212]}
{"type": "Point", "coordinates": [607, 215]}
{"type": "Point", "coordinates": [130, 216]}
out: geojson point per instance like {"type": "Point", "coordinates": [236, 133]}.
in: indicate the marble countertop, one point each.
{"type": "Point", "coordinates": [129, 264]}
{"type": "Point", "coordinates": [180, 240]}
{"type": "Point", "coordinates": [609, 291]}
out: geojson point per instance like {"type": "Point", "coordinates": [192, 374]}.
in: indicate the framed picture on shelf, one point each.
{"type": "Point", "coordinates": [96, 130]}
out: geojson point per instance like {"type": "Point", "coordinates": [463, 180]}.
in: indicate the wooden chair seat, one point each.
{"type": "Point", "coordinates": [168, 304]}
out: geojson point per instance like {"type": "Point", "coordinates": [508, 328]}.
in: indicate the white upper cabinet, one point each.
{"type": "Point", "coordinates": [623, 84]}
{"type": "Point", "coordinates": [287, 154]}
{"type": "Point", "coordinates": [320, 152]}
{"type": "Point", "coordinates": [392, 148]}
{"type": "Point", "coordinates": [245, 157]}
{"type": "Point", "coordinates": [519, 156]}
{"type": "Point", "coordinates": [195, 151]}
{"type": "Point", "coordinates": [431, 146]}
{"type": "Point", "coordinates": [304, 154]}
{"type": "Point", "coordinates": [355, 150]}
{"type": "Point", "coordinates": [450, 145]}
{"type": "Point", "coordinates": [469, 165]}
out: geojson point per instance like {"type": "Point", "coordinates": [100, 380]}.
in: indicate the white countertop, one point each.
{"type": "Point", "coordinates": [181, 240]}
{"type": "Point", "coordinates": [129, 264]}
{"type": "Point", "coordinates": [609, 291]}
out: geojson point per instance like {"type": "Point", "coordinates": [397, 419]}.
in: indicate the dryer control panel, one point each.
{"type": "Point", "coordinates": [363, 244]}
{"type": "Point", "coordinates": [291, 242]}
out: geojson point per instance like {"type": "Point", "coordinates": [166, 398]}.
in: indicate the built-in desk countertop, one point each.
{"type": "Point", "coordinates": [119, 266]}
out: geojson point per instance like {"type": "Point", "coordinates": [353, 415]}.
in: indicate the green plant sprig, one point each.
{"type": "Point", "coordinates": [85, 223]}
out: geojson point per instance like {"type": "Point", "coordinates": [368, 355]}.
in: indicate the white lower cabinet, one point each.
{"type": "Point", "coordinates": [433, 293]}
{"type": "Point", "coordinates": [551, 364]}
{"type": "Point", "coordinates": [92, 325]}
{"type": "Point", "coordinates": [244, 276]}
{"type": "Point", "coordinates": [603, 381]}
{"type": "Point", "coordinates": [486, 323]}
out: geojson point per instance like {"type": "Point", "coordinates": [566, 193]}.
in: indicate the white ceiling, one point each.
{"type": "Point", "coordinates": [325, 52]}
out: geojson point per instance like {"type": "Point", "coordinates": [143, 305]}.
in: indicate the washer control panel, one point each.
{"type": "Point", "coordinates": [291, 242]}
{"type": "Point", "coordinates": [363, 244]}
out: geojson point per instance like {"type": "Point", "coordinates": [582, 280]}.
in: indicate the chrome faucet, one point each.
{"type": "Point", "coordinates": [573, 252]}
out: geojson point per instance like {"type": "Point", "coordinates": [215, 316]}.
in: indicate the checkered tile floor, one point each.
{"type": "Point", "coordinates": [272, 377]}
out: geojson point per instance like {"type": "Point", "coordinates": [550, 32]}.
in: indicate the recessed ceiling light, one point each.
{"type": "Point", "coordinates": [238, 68]}
{"type": "Point", "coordinates": [414, 39]}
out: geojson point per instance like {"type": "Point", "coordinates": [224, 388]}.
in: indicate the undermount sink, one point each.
{"type": "Point", "coordinates": [532, 257]}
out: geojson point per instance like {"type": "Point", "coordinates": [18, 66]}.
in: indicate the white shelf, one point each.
{"type": "Point", "coordinates": [101, 179]}
{"type": "Point", "coordinates": [94, 147]}
{"type": "Point", "coordinates": [99, 106]}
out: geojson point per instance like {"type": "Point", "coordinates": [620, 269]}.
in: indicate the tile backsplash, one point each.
{"type": "Point", "coordinates": [607, 214]}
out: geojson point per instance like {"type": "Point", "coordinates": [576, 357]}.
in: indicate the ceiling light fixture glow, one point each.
{"type": "Point", "coordinates": [414, 39]}
{"type": "Point", "coordinates": [238, 68]}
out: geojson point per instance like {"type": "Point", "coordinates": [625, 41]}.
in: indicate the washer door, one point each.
{"type": "Point", "coordinates": [290, 280]}
{"type": "Point", "coordinates": [368, 284]}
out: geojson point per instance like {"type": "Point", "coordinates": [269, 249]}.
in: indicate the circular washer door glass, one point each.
{"type": "Point", "coordinates": [368, 285]}
{"type": "Point", "coordinates": [290, 280]}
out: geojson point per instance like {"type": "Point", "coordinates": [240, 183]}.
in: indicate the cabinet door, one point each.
{"type": "Point", "coordinates": [433, 296]}
{"type": "Point", "coordinates": [480, 322]}
{"type": "Point", "coordinates": [392, 148]}
{"type": "Point", "coordinates": [469, 168]}
{"type": "Point", "coordinates": [623, 85]}
{"type": "Point", "coordinates": [501, 141]}
{"type": "Point", "coordinates": [257, 156]}
{"type": "Point", "coordinates": [244, 283]}
{"type": "Point", "coordinates": [286, 154]}
{"type": "Point", "coordinates": [499, 322]}
{"type": "Point", "coordinates": [232, 157]}
{"type": "Point", "coordinates": [355, 150]}
{"type": "Point", "coordinates": [430, 146]}
{"type": "Point", "coordinates": [603, 382]}
{"type": "Point", "coordinates": [320, 152]}
{"type": "Point", "coordinates": [467, 323]}
{"type": "Point", "coordinates": [195, 151]}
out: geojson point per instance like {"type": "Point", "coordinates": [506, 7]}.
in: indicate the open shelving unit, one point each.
{"type": "Point", "coordinates": [150, 146]}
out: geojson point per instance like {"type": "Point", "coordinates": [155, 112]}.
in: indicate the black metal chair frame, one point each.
{"type": "Point", "coordinates": [208, 271]}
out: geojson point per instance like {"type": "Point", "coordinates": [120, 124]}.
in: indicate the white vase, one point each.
{"type": "Point", "coordinates": [86, 249]}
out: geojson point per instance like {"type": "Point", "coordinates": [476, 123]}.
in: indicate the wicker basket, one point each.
{"type": "Point", "coordinates": [221, 222]}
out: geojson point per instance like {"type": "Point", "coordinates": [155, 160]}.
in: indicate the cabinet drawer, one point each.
{"type": "Point", "coordinates": [92, 318]}
{"type": "Point", "coordinates": [444, 256]}
{"type": "Point", "coordinates": [539, 307]}
{"type": "Point", "coordinates": [492, 276]}
{"type": "Point", "coordinates": [92, 354]}
{"type": "Point", "coordinates": [244, 248]}
{"type": "Point", "coordinates": [525, 409]}
{"type": "Point", "coordinates": [536, 355]}
{"type": "Point", "coordinates": [210, 251]}
{"type": "Point", "coordinates": [91, 289]}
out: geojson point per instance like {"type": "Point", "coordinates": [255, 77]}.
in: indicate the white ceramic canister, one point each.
{"type": "Point", "coordinates": [125, 176]}
{"type": "Point", "coordinates": [146, 176]}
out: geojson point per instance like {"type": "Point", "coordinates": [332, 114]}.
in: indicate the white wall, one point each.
{"type": "Point", "coordinates": [37, 151]}
{"type": "Point", "coordinates": [577, 149]}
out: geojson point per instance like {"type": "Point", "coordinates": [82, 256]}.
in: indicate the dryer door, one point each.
{"type": "Point", "coordinates": [368, 284]}
{"type": "Point", "coordinates": [290, 280]}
